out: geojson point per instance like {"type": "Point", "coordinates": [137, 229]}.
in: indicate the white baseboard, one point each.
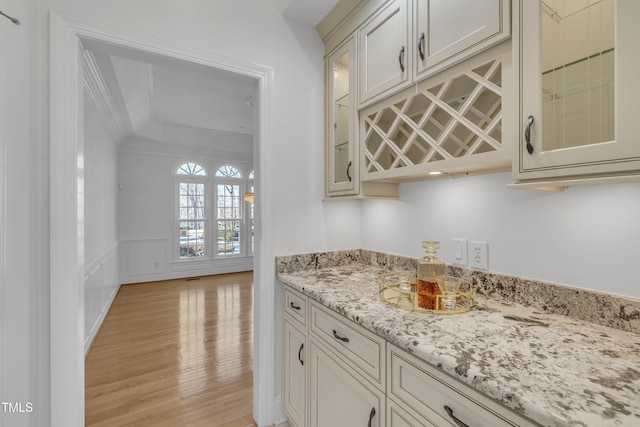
{"type": "Point", "coordinates": [88, 339]}
{"type": "Point", "coordinates": [101, 284]}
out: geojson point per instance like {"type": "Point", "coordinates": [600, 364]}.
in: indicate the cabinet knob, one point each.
{"type": "Point", "coordinates": [401, 59]}
{"type": "Point", "coordinates": [527, 135]}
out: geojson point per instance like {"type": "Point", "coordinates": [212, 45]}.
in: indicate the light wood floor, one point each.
{"type": "Point", "coordinates": [174, 353]}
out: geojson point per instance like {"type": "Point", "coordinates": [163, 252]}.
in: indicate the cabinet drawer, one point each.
{"type": "Point", "coordinates": [295, 304]}
{"type": "Point", "coordinates": [363, 350]}
{"type": "Point", "coordinates": [428, 392]}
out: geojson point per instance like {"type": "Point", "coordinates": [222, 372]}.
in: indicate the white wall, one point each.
{"type": "Point", "coordinates": [145, 215]}
{"type": "Point", "coordinates": [24, 307]}
{"type": "Point", "coordinates": [101, 279]}
{"type": "Point", "coordinates": [585, 237]}
{"type": "Point", "coordinates": [251, 31]}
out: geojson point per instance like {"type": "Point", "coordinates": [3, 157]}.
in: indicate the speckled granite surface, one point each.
{"type": "Point", "coordinates": [555, 369]}
{"type": "Point", "coordinates": [596, 307]}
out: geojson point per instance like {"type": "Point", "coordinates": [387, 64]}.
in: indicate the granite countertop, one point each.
{"type": "Point", "coordinates": [553, 369]}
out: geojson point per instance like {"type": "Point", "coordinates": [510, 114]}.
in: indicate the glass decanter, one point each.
{"type": "Point", "coordinates": [430, 267]}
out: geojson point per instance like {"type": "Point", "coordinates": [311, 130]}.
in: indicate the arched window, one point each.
{"type": "Point", "coordinates": [191, 218]}
{"type": "Point", "coordinates": [191, 168]}
{"type": "Point", "coordinates": [229, 192]}
{"type": "Point", "coordinates": [228, 171]}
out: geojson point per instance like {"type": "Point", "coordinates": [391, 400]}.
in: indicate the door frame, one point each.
{"type": "Point", "coordinates": [66, 198]}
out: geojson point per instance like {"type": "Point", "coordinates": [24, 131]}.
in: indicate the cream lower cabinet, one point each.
{"type": "Point", "coordinates": [339, 396]}
{"type": "Point", "coordinates": [295, 350]}
{"type": "Point", "coordinates": [337, 374]}
{"type": "Point", "coordinates": [295, 360]}
{"type": "Point", "coordinates": [435, 399]}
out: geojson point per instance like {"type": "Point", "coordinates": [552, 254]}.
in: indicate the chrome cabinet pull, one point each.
{"type": "Point", "coordinates": [299, 354]}
{"type": "Point", "coordinates": [455, 420]}
{"type": "Point", "coordinates": [527, 135]}
{"type": "Point", "coordinates": [295, 307]}
{"type": "Point", "coordinates": [348, 168]}
{"type": "Point", "coordinates": [401, 59]}
{"type": "Point", "coordinates": [371, 415]}
{"type": "Point", "coordinates": [420, 48]}
{"type": "Point", "coordinates": [338, 337]}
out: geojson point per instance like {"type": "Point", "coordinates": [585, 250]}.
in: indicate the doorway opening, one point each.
{"type": "Point", "coordinates": [68, 209]}
{"type": "Point", "coordinates": [160, 129]}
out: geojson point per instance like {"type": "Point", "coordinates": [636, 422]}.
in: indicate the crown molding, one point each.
{"type": "Point", "coordinates": [95, 90]}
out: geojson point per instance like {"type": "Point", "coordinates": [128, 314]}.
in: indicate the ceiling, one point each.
{"type": "Point", "coordinates": [163, 103]}
{"type": "Point", "coordinates": [167, 102]}
{"type": "Point", "coordinates": [308, 12]}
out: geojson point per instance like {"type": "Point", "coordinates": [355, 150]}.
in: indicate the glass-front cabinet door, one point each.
{"type": "Point", "coordinates": [341, 117]}
{"type": "Point", "coordinates": [579, 62]}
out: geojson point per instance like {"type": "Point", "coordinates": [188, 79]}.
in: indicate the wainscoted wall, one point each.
{"type": "Point", "coordinates": [101, 276]}
{"type": "Point", "coordinates": [146, 206]}
{"type": "Point", "coordinates": [145, 260]}
{"type": "Point", "coordinates": [101, 284]}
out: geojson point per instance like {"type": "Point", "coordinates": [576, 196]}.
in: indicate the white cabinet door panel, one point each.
{"type": "Point", "coordinates": [294, 374]}
{"type": "Point", "coordinates": [578, 79]}
{"type": "Point", "coordinates": [385, 56]}
{"type": "Point", "coordinates": [339, 396]}
{"type": "Point", "coordinates": [448, 31]}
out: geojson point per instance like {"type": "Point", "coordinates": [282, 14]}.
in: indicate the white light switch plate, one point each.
{"type": "Point", "coordinates": [459, 251]}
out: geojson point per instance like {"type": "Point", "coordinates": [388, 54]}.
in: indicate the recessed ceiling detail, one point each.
{"type": "Point", "coordinates": [201, 98]}
{"type": "Point", "coordinates": [176, 102]}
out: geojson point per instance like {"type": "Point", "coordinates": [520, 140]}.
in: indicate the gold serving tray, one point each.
{"type": "Point", "coordinates": [408, 300]}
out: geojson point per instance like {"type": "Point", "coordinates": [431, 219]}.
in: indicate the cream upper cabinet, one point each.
{"type": "Point", "coordinates": [451, 123]}
{"type": "Point", "coordinates": [448, 31]}
{"type": "Point", "coordinates": [385, 52]}
{"type": "Point", "coordinates": [579, 91]}
{"type": "Point", "coordinates": [342, 130]}
{"type": "Point", "coordinates": [410, 40]}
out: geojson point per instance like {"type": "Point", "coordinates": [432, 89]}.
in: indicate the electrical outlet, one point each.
{"type": "Point", "coordinates": [459, 251]}
{"type": "Point", "coordinates": [479, 255]}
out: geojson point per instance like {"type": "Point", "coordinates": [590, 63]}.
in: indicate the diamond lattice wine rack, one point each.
{"type": "Point", "coordinates": [453, 124]}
